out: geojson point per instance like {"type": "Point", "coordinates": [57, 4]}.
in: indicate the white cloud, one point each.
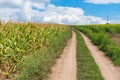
{"type": "Point", "coordinates": [68, 15]}
{"type": "Point", "coordinates": [65, 10]}
{"type": "Point", "coordinates": [115, 21]}
{"type": "Point", "coordinates": [92, 19]}
{"type": "Point", "coordinates": [28, 10]}
{"type": "Point", "coordinates": [7, 13]}
{"type": "Point", "coordinates": [11, 3]}
{"type": "Point", "coordinates": [38, 11]}
{"type": "Point", "coordinates": [103, 1]}
{"type": "Point", "coordinates": [40, 1]}
{"type": "Point", "coordinates": [38, 5]}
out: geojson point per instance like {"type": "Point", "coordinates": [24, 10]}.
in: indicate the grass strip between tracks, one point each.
{"type": "Point", "coordinates": [87, 69]}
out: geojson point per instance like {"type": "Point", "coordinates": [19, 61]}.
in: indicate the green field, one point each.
{"type": "Point", "coordinates": [28, 50]}
{"type": "Point", "coordinates": [101, 36]}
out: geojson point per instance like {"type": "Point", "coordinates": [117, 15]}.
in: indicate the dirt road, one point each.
{"type": "Point", "coordinates": [65, 68]}
{"type": "Point", "coordinates": [108, 70]}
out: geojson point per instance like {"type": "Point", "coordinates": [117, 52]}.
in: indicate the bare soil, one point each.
{"type": "Point", "coordinates": [116, 38]}
{"type": "Point", "coordinates": [65, 68]}
{"type": "Point", "coordinates": [108, 70]}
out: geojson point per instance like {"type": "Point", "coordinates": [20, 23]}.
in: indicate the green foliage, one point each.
{"type": "Point", "coordinates": [97, 33]}
{"type": "Point", "coordinates": [86, 66]}
{"type": "Point", "coordinates": [26, 47]}
{"type": "Point", "coordinates": [38, 65]}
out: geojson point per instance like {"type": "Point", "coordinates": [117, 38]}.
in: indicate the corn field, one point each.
{"type": "Point", "coordinates": [20, 39]}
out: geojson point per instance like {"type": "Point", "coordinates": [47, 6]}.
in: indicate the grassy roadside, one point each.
{"type": "Point", "coordinates": [86, 66]}
{"type": "Point", "coordinates": [99, 38]}
{"type": "Point", "coordinates": [38, 64]}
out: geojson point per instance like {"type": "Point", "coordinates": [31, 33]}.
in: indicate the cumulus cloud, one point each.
{"type": "Point", "coordinates": [67, 15]}
{"type": "Point", "coordinates": [40, 1]}
{"type": "Point", "coordinates": [114, 21]}
{"type": "Point", "coordinates": [6, 13]}
{"type": "Point", "coordinates": [44, 11]}
{"type": "Point", "coordinates": [27, 9]}
{"type": "Point", "coordinates": [103, 1]}
{"type": "Point", "coordinates": [38, 5]}
{"type": "Point", "coordinates": [10, 3]}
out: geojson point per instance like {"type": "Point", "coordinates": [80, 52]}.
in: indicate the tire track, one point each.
{"type": "Point", "coordinates": [65, 68]}
{"type": "Point", "coordinates": [108, 70]}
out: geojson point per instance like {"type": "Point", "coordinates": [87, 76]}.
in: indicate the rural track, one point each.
{"type": "Point", "coordinates": [66, 66]}
{"type": "Point", "coordinates": [108, 70]}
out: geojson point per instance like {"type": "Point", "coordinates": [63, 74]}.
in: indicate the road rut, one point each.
{"type": "Point", "coordinates": [65, 68]}
{"type": "Point", "coordinates": [108, 70]}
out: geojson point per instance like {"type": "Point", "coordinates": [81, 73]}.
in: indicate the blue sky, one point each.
{"type": "Point", "coordinates": [61, 11]}
{"type": "Point", "coordinates": [100, 10]}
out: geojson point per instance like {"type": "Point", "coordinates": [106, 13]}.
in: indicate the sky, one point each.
{"type": "Point", "coordinates": [61, 11]}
